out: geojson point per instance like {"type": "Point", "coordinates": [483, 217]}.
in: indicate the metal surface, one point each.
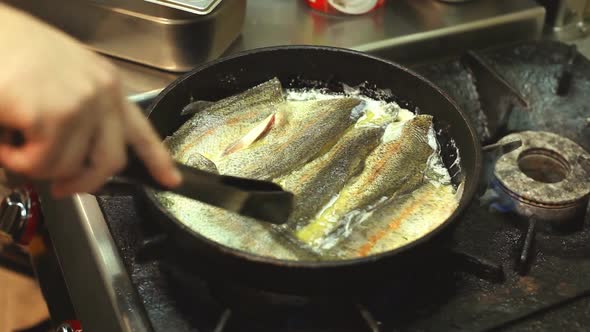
{"type": "Point", "coordinates": [583, 45]}
{"type": "Point", "coordinates": [100, 289]}
{"type": "Point", "coordinates": [201, 7]}
{"type": "Point", "coordinates": [144, 32]}
{"type": "Point", "coordinates": [566, 19]}
{"type": "Point", "coordinates": [526, 251]}
{"type": "Point", "coordinates": [502, 147]}
{"type": "Point", "coordinates": [406, 31]}
{"type": "Point", "coordinates": [564, 81]}
{"type": "Point", "coordinates": [144, 99]}
{"type": "Point", "coordinates": [492, 153]}
{"type": "Point", "coordinates": [13, 215]}
{"type": "Point", "coordinates": [45, 264]}
{"type": "Point", "coordinates": [149, 8]}
{"type": "Point", "coordinates": [496, 96]}
{"type": "Point", "coordinates": [554, 200]}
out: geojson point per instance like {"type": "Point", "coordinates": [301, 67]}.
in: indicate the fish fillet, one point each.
{"type": "Point", "coordinates": [399, 222]}
{"type": "Point", "coordinates": [393, 167]}
{"type": "Point", "coordinates": [307, 128]}
{"type": "Point", "coordinates": [232, 230]}
{"type": "Point", "coordinates": [315, 183]}
{"type": "Point", "coordinates": [210, 131]}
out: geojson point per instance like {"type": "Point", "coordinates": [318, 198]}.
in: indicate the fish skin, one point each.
{"type": "Point", "coordinates": [392, 168]}
{"type": "Point", "coordinates": [398, 222]}
{"type": "Point", "coordinates": [233, 230]}
{"type": "Point", "coordinates": [197, 160]}
{"type": "Point", "coordinates": [318, 181]}
{"type": "Point", "coordinates": [306, 129]}
{"type": "Point", "coordinates": [211, 130]}
{"type": "Point", "coordinates": [267, 92]}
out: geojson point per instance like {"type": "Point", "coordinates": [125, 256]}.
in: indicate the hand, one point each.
{"type": "Point", "coordinates": [68, 103]}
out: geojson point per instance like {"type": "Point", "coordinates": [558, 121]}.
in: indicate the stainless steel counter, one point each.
{"type": "Point", "coordinates": [406, 31]}
{"type": "Point", "coordinates": [583, 45]}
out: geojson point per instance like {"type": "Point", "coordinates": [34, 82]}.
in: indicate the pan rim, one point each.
{"type": "Point", "coordinates": [466, 198]}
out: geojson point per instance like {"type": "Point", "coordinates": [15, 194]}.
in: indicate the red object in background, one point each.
{"type": "Point", "coordinates": [350, 7]}
{"type": "Point", "coordinates": [70, 326]}
{"type": "Point", "coordinates": [33, 218]}
{"type": "Point", "coordinates": [20, 224]}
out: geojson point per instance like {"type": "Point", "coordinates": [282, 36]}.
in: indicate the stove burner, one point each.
{"type": "Point", "coordinates": [544, 177]}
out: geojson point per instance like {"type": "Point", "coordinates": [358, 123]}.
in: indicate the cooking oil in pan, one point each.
{"type": "Point", "coordinates": [367, 174]}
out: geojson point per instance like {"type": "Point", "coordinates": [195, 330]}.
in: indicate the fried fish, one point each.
{"type": "Point", "coordinates": [394, 167]}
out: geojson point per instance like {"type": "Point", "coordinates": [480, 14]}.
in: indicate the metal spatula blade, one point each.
{"type": "Point", "coordinates": [261, 200]}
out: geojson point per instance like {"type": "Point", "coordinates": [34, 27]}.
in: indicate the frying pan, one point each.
{"type": "Point", "coordinates": [304, 67]}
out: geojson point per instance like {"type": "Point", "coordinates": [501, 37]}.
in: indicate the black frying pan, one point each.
{"type": "Point", "coordinates": [299, 67]}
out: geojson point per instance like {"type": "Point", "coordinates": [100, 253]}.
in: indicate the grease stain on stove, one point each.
{"type": "Point", "coordinates": [487, 299]}
{"type": "Point", "coordinates": [565, 289]}
{"type": "Point", "coordinates": [529, 285]}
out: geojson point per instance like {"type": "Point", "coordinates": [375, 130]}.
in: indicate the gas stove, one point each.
{"type": "Point", "coordinates": [518, 262]}
{"type": "Point", "coordinates": [508, 269]}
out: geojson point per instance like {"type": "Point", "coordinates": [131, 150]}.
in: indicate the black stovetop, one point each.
{"type": "Point", "coordinates": [479, 289]}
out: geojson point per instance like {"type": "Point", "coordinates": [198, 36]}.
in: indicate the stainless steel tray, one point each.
{"type": "Point", "coordinates": [148, 33]}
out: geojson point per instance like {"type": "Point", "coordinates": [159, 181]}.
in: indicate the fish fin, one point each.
{"type": "Point", "coordinates": [252, 136]}
{"type": "Point", "coordinates": [195, 107]}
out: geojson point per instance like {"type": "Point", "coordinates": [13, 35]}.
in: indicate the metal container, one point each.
{"type": "Point", "coordinates": [167, 34]}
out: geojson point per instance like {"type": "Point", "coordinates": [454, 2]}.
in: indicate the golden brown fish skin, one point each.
{"type": "Point", "coordinates": [398, 222]}
{"type": "Point", "coordinates": [318, 181]}
{"type": "Point", "coordinates": [233, 230]}
{"type": "Point", "coordinates": [392, 168]}
{"type": "Point", "coordinates": [308, 126]}
{"type": "Point", "coordinates": [210, 131]}
{"type": "Point", "coordinates": [270, 91]}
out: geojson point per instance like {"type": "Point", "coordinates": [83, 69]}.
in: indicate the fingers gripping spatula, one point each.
{"type": "Point", "coordinates": [261, 200]}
